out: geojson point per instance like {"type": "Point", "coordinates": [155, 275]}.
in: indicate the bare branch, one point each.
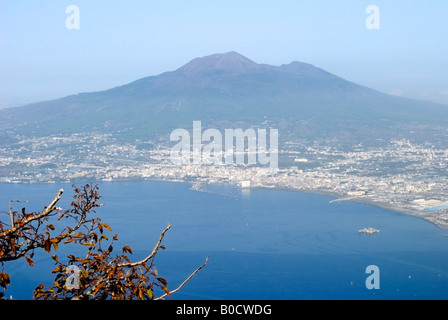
{"type": "Point", "coordinates": [185, 281]}
{"type": "Point", "coordinates": [152, 254]}
{"type": "Point", "coordinates": [10, 210]}
{"type": "Point", "coordinates": [49, 209]}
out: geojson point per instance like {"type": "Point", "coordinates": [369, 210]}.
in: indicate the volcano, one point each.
{"type": "Point", "coordinates": [225, 88]}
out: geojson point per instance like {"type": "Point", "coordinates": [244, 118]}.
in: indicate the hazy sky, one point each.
{"type": "Point", "coordinates": [121, 41]}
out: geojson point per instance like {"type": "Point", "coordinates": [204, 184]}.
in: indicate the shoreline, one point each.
{"type": "Point", "coordinates": [383, 205]}
{"type": "Point", "coordinates": [358, 199]}
{"type": "Point", "coordinates": [427, 216]}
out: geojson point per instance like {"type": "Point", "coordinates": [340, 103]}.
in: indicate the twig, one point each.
{"type": "Point", "coordinates": [50, 208]}
{"type": "Point", "coordinates": [152, 254]}
{"type": "Point", "coordinates": [131, 264]}
{"type": "Point", "coordinates": [10, 210]}
{"type": "Point", "coordinates": [185, 281]}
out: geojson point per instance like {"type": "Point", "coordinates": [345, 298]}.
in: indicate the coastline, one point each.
{"type": "Point", "coordinates": [195, 185]}
{"type": "Point", "coordinates": [384, 205]}
{"type": "Point", "coordinates": [432, 218]}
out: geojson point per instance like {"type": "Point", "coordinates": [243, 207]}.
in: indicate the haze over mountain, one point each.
{"type": "Point", "coordinates": [222, 89]}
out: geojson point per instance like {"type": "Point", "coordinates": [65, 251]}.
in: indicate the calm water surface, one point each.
{"type": "Point", "coordinates": [263, 244]}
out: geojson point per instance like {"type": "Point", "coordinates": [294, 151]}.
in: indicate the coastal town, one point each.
{"type": "Point", "coordinates": [403, 176]}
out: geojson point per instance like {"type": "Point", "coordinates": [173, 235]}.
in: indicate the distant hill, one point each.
{"type": "Point", "coordinates": [303, 101]}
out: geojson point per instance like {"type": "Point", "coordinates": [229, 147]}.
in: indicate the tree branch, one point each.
{"type": "Point", "coordinates": [152, 254]}
{"type": "Point", "coordinates": [185, 281]}
{"type": "Point", "coordinates": [11, 216]}
{"type": "Point", "coordinates": [50, 208]}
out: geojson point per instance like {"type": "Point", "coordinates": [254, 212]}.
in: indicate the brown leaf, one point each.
{"type": "Point", "coordinates": [12, 245]}
{"type": "Point", "coordinates": [4, 280]}
{"type": "Point", "coordinates": [30, 261]}
{"type": "Point", "coordinates": [141, 294]}
{"type": "Point", "coordinates": [47, 245]}
{"type": "Point", "coordinates": [55, 244]}
{"type": "Point", "coordinates": [162, 281]}
{"type": "Point", "coordinates": [107, 226]}
{"type": "Point", "coordinates": [167, 291]}
{"type": "Point", "coordinates": [127, 249]}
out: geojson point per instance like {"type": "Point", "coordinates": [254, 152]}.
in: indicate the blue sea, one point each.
{"type": "Point", "coordinates": [262, 244]}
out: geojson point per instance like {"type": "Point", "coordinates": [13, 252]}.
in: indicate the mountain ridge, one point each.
{"type": "Point", "coordinates": [227, 87]}
{"type": "Point", "coordinates": [231, 63]}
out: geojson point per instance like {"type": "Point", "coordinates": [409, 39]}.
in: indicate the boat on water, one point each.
{"type": "Point", "coordinates": [369, 230]}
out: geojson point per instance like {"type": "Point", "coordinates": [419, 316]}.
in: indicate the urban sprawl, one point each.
{"type": "Point", "coordinates": [401, 176]}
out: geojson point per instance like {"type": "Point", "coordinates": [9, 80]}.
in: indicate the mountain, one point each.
{"type": "Point", "coordinates": [230, 63]}
{"type": "Point", "coordinates": [223, 89]}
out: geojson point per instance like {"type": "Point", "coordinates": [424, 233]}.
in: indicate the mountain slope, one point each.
{"type": "Point", "coordinates": [223, 88]}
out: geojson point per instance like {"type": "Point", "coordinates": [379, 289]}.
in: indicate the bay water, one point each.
{"type": "Point", "coordinates": [262, 244]}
